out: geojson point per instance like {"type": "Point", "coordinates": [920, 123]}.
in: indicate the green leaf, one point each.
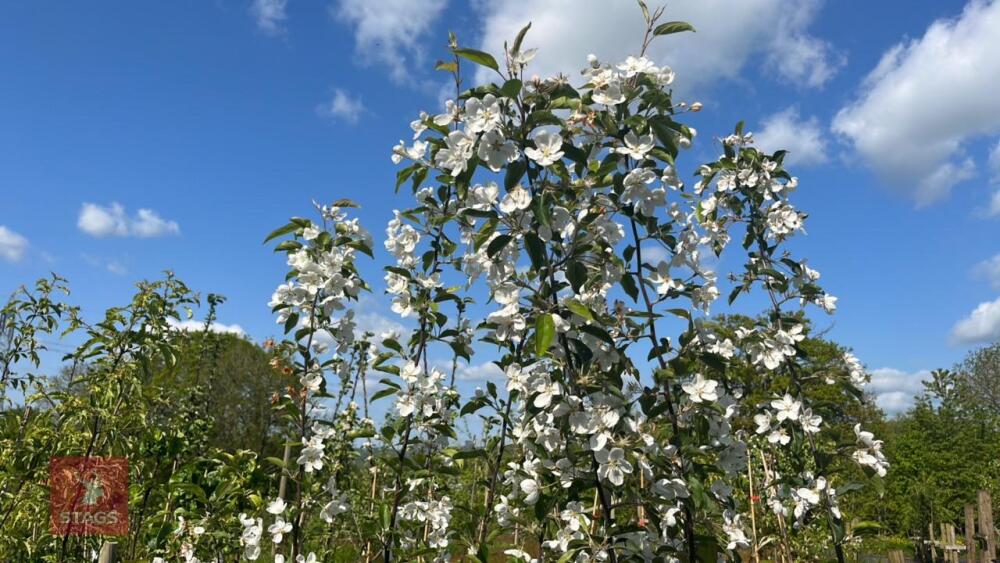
{"type": "Point", "coordinates": [536, 250]}
{"type": "Point", "coordinates": [672, 27]}
{"type": "Point", "coordinates": [511, 88]}
{"type": "Point", "coordinates": [645, 10]}
{"type": "Point", "coordinates": [291, 321]}
{"type": "Point", "coordinates": [289, 244]}
{"type": "Point", "coordinates": [447, 66]}
{"type": "Point", "coordinates": [497, 244]}
{"type": "Point", "coordinates": [598, 332]}
{"type": "Point", "coordinates": [289, 228]}
{"type": "Point", "coordinates": [515, 171]}
{"type": "Point", "coordinates": [516, 48]}
{"type": "Point", "coordinates": [539, 209]}
{"type": "Point", "coordinates": [275, 461]}
{"type": "Point", "coordinates": [469, 454]}
{"type": "Point", "coordinates": [383, 393]}
{"type": "Point", "coordinates": [543, 117]}
{"type": "Point", "coordinates": [579, 309]}
{"type": "Point", "coordinates": [405, 174]}
{"type": "Point", "coordinates": [545, 331]}
{"type": "Point", "coordinates": [576, 273]}
{"type": "Point", "coordinates": [628, 284]}
{"type": "Point", "coordinates": [478, 57]}
{"type": "Point", "coordinates": [866, 528]}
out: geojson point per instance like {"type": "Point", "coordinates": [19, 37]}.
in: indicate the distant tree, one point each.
{"type": "Point", "coordinates": [979, 378]}
{"type": "Point", "coordinates": [945, 448]}
{"type": "Point", "coordinates": [222, 380]}
{"type": "Point", "coordinates": [231, 380]}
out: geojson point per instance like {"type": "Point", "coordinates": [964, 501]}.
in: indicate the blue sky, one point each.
{"type": "Point", "coordinates": [221, 119]}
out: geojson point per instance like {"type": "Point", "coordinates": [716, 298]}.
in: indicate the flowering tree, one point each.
{"type": "Point", "coordinates": [562, 209]}
{"type": "Point", "coordinates": [552, 230]}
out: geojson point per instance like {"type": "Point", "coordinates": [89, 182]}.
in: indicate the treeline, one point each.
{"type": "Point", "coordinates": [943, 450]}
{"type": "Point", "coordinates": [194, 412]}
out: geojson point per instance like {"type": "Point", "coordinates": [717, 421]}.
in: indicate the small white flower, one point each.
{"type": "Point", "coordinates": [636, 65]}
{"type": "Point", "coordinates": [310, 232]}
{"type": "Point", "coordinates": [610, 94]}
{"type": "Point", "coordinates": [277, 506]}
{"type": "Point", "coordinates": [531, 491]}
{"type": "Point", "coordinates": [517, 199]}
{"type": "Point", "coordinates": [612, 465]}
{"type": "Point", "coordinates": [786, 408]}
{"type": "Point", "coordinates": [547, 148]}
{"type": "Point", "coordinates": [496, 151]}
{"type": "Point", "coordinates": [483, 115]}
{"type": "Point", "coordinates": [279, 529]}
{"type": "Point", "coordinates": [810, 422]}
{"type": "Point", "coordinates": [779, 436]}
{"type": "Point", "coordinates": [635, 146]}
{"type": "Point", "coordinates": [458, 151]}
{"type": "Point", "coordinates": [311, 457]}
{"type": "Point", "coordinates": [700, 389]}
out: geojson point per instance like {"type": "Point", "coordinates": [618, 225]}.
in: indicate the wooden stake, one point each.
{"type": "Point", "coordinates": [786, 546]}
{"type": "Point", "coordinates": [109, 553]}
{"type": "Point", "coordinates": [930, 531]}
{"type": "Point", "coordinates": [970, 533]}
{"type": "Point", "coordinates": [986, 525]}
{"type": "Point", "coordinates": [753, 511]}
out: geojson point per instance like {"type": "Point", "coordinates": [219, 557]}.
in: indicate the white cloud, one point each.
{"type": "Point", "coordinates": [12, 245]}
{"type": "Point", "coordinates": [989, 270]}
{"type": "Point", "coordinates": [148, 223]}
{"type": "Point", "coordinates": [994, 208]}
{"type": "Point", "coordinates": [376, 323]}
{"type": "Point", "coordinates": [982, 325]}
{"type": "Point", "coordinates": [112, 220]}
{"type": "Point", "coordinates": [805, 60]}
{"type": "Point", "coordinates": [803, 138]}
{"type": "Point", "coordinates": [994, 161]}
{"type": "Point", "coordinates": [925, 100]}
{"type": "Point", "coordinates": [390, 32]}
{"type": "Point", "coordinates": [729, 34]}
{"type": "Point", "coordinates": [895, 389]}
{"type": "Point", "coordinates": [116, 268]}
{"type": "Point", "coordinates": [342, 106]}
{"type": "Point", "coordinates": [479, 372]}
{"type": "Point", "coordinates": [113, 266]}
{"type": "Point", "coordinates": [192, 325]}
{"type": "Point", "coordinates": [654, 254]}
{"type": "Point", "coordinates": [270, 15]}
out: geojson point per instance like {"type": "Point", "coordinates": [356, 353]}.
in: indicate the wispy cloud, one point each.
{"type": "Point", "coordinates": [479, 372]}
{"type": "Point", "coordinates": [112, 220]}
{"type": "Point", "coordinates": [113, 266]}
{"type": "Point", "coordinates": [390, 32]}
{"type": "Point", "coordinates": [270, 15]}
{"type": "Point", "coordinates": [12, 245]}
{"type": "Point", "coordinates": [993, 208]}
{"type": "Point", "coordinates": [804, 139]}
{"type": "Point", "coordinates": [989, 270]}
{"type": "Point", "coordinates": [342, 106]}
